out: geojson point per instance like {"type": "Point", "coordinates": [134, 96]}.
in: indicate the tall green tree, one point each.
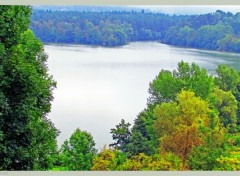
{"type": "Point", "coordinates": [166, 86]}
{"type": "Point", "coordinates": [158, 90]}
{"type": "Point", "coordinates": [121, 134]}
{"type": "Point", "coordinates": [28, 138]}
{"type": "Point", "coordinates": [226, 104]}
{"type": "Point", "coordinates": [78, 152]}
{"type": "Point", "coordinates": [228, 79]}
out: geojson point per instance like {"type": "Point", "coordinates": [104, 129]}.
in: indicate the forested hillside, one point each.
{"type": "Point", "coordinates": [213, 31]}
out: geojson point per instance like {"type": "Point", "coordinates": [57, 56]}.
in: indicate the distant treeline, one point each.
{"type": "Point", "coordinates": [213, 31]}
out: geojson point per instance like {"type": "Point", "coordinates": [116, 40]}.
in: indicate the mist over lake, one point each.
{"type": "Point", "coordinates": [97, 86]}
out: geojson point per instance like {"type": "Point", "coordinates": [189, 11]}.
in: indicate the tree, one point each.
{"type": "Point", "coordinates": [78, 152]}
{"type": "Point", "coordinates": [226, 104]}
{"type": "Point", "coordinates": [158, 90]}
{"type": "Point", "coordinates": [142, 162]}
{"type": "Point", "coordinates": [14, 21]}
{"type": "Point", "coordinates": [108, 159]}
{"type": "Point", "coordinates": [143, 138]}
{"type": "Point", "coordinates": [122, 135]}
{"type": "Point", "coordinates": [204, 157]}
{"type": "Point", "coordinates": [166, 86]}
{"type": "Point", "coordinates": [138, 144]}
{"type": "Point", "coordinates": [178, 124]}
{"type": "Point", "coordinates": [195, 79]}
{"type": "Point", "coordinates": [228, 164]}
{"type": "Point", "coordinates": [217, 145]}
{"type": "Point", "coordinates": [228, 79]}
{"type": "Point", "coordinates": [28, 138]}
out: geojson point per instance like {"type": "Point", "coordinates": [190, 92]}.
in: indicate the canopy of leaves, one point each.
{"type": "Point", "coordinates": [78, 152]}
{"type": "Point", "coordinates": [178, 124]}
{"type": "Point", "coordinates": [108, 159]}
{"type": "Point", "coordinates": [166, 86]}
{"type": "Point", "coordinates": [28, 138]}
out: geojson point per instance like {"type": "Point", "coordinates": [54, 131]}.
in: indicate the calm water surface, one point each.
{"type": "Point", "coordinates": [97, 87]}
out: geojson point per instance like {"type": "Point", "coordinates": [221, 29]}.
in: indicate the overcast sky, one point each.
{"type": "Point", "coordinates": [198, 9]}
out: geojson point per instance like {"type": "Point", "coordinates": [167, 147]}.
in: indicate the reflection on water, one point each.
{"type": "Point", "coordinates": [97, 86]}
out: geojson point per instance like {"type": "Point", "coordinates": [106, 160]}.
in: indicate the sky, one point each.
{"type": "Point", "coordinates": [196, 9]}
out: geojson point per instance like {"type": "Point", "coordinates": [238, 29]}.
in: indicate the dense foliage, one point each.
{"type": "Point", "coordinates": [27, 137]}
{"type": "Point", "coordinates": [213, 31]}
{"type": "Point", "coordinates": [77, 153]}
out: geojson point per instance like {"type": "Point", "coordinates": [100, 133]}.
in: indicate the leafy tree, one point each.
{"type": "Point", "coordinates": [122, 135]}
{"type": "Point", "coordinates": [226, 104]}
{"type": "Point", "coordinates": [166, 86]}
{"type": "Point", "coordinates": [158, 90]}
{"type": "Point", "coordinates": [108, 159]}
{"type": "Point", "coordinates": [228, 164]}
{"type": "Point", "coordinates": [195, 79]}
{"type": "Point", "coordinates": [78, 152]}
{"type": "Point", "coordinates": [143, 162]}
{"type": "Point", "coordinates": [178, 124]}
{"type": "Point", "coordinates": [214, 145]}
{"type": "Point", "coordinates": [208, 35]}
{"type": "Point", "coordinates": [228, 79]}
{"type": "Point", "coordinates": [28, 138]}
{"type": "Point", "coordinates": [14, 21]}
{"type": "Point", "coordinates": [205, 158]}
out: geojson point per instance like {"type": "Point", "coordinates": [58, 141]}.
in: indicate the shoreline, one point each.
{"type": "Point", "coordinates": [120, 46]}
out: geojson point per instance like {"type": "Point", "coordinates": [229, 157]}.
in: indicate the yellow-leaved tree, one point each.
{"type": "Point", "coordinates": [180, 124]}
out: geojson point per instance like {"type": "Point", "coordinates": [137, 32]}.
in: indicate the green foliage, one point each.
{"type": "Point", "coordinates": [193, 126]}
{"type": "Point", "coordinates": [28, 138]}
{"type": "Point", "coordinates": [158, 90]}
{"type": "Point", "coordinates": [228, 78]}
{"type": "Point", "coordinates": [178, 124]}
{"type": "Point", "coordinates": [78, 152]}
{"type": "Point", "coordinates": [122, 135]}
{"type": "Point", "coordinates": [108, 159]}
{"type": "Point", "coordinates": [143, 138]}
{"type": "Point", "coordinates": [229, 43]}
{"type": "Point", "coordinates": [142, 162]}
{"type": "Point", "coordinates": [166, 86]}
{"type": "Point", "coordinates": [226, 104]}
{"type": "Point", "coordinates": [214, 31]}
{"type": "Point", "coordinates": [228, 164]}
{"type": "Point", "coordinates": [205, 157]}
{"type": "Point", "coordinates": [14, 21]}
{"type": "Point", "coordinates": [138, 144]}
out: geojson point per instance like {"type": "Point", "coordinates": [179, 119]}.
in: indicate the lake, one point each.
{"type": "Point", "coordinates": [97, 86]}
